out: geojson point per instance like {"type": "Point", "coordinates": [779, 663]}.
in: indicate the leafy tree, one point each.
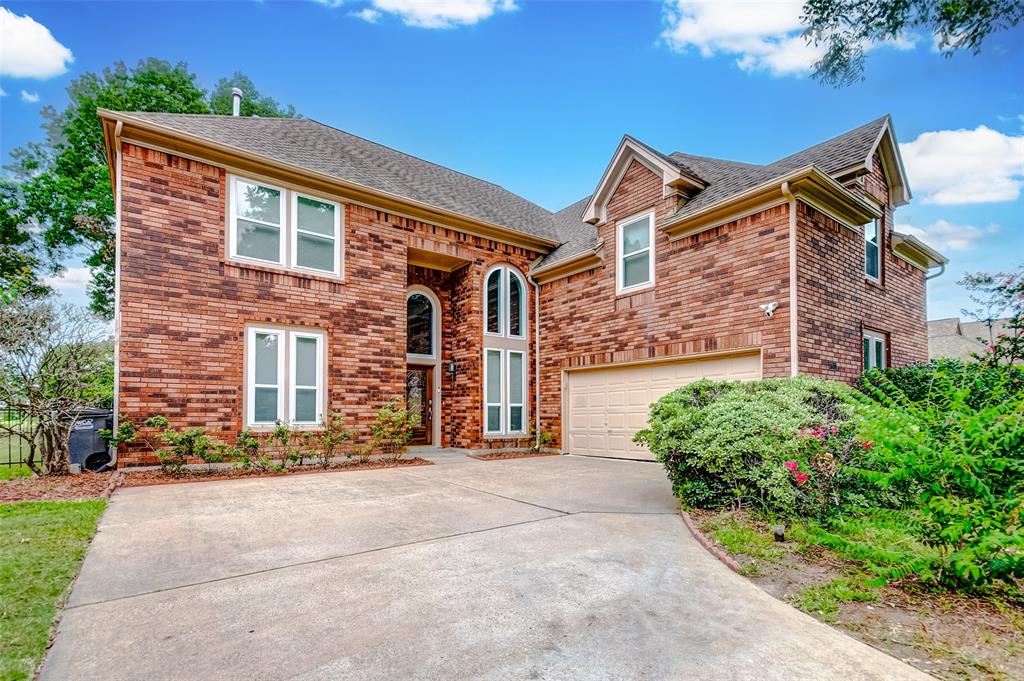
{"type": "Point", "coordinates": [846, 27]}
{"type": "Point", "coordinates": [998, 294]}
{"type": "Point", "coordinates": [52, 364]}
{"type": "Point", "coordinates": [64, 183]}
{"type": "Point", "coordinates": [20, 262]}
{"type": "Point", "coordinates": [253, 102]}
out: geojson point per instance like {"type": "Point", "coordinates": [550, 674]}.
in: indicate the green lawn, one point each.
{"type": "Point", "coordinates": [42, 544]}
{"type": "Point", "coordinates": [16, 471]}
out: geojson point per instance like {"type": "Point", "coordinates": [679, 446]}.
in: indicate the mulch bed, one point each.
{"type": "Point", "coordinates": [150, 477]}
{"type": "Point", "coordinates": [498, 456]}
{"type": "Point", "coordinates": [58, 488]}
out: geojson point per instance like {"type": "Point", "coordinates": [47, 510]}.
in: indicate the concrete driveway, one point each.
{"type": "Point", "coordinates": [549, 568]}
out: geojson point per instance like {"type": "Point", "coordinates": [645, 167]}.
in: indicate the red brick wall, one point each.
{"type": "Point", "coordinates": [706, 296]}
{"type": "Point", "coordinates": [184, 307]}
{"type": "Point", "coordinates": [836, 301]}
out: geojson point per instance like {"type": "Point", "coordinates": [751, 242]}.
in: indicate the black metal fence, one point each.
{"type": "Point", "coordinates": [13, 449]}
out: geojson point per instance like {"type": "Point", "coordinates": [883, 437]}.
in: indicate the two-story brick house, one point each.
{"type": "Point", "coordinates": [280, 269]}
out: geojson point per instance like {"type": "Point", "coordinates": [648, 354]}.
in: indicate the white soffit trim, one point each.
{"type": "Point", "coordinates": [629, 150]}
{"type": "Point", "coordinates": [892, 164]}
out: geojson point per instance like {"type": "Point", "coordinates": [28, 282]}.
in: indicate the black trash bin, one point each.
{"type": "Point", "coordinates": [85, 446]}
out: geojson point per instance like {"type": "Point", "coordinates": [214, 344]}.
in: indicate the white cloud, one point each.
{"type": "Point", "coordinates": [430, 13]}
{"type": "Point", "coordinates": [944, 236]}
{"type": "Point", "coordinates": [3, 93]}
{"type": "Point", "coordinates": [28, 49]}
{"type": "Point", "coordinates": [367, 14]}
{"type": "Point", "coordinates": [949, 167]}
{"type": "Point", "coordinates": [70, 279]}
{"type": "Point", "coordinates": [30, 97]}
{"type": "Point", "coordinates": [763, 35]}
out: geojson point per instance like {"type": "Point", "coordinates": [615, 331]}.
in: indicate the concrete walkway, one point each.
{"type": "Point", "coordinates": [546, 568]}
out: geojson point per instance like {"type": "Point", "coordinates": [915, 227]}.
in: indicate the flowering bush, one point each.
{"type": "Point", "coordinates": [735, 444]}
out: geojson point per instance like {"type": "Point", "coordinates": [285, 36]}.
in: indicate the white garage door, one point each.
{"type": "Point", "coordinates": [607, 406]}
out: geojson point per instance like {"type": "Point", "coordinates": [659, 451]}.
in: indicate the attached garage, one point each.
{"type": "Point", "coordinates": [607, 406]}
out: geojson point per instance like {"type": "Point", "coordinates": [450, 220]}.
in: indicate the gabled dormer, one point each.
{"type": "Point", "coordinates": [676, 179]}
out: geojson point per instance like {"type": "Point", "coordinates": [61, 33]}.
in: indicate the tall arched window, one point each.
{"type": "Point", "coordinates": [505, 352]}
{"type": "Point", "coordinates": [420, 320]}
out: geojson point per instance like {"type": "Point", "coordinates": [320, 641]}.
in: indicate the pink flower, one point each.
{"type": "Point", "coordinates": [834, 430]}
{"type": "Point", "coordinates": [791, 466]}
{"type": "Point", "coordinates": [801, 478]}
{"type": "Point", "coordinates": [866, 445]}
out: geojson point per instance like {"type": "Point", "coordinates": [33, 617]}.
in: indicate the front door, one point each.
{"type": "Point", "coordinates": [419, 400]}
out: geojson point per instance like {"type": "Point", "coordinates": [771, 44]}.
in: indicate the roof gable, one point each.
{"type": "Point", "coordinates": [674, 176]}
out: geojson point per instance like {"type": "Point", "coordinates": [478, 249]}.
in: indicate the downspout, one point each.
{"type": "Point", "coordinates": [117, 289]}
{"type": "Point", "coordinates": [794, 346]}
{"type": "Point", "coordinates": [536, 355]}
{"type": "Point", "coordinates": [942, 270]}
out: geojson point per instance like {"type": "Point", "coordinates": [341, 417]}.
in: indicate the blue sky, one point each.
{"type": "Point", "coordinates": [535, 95]}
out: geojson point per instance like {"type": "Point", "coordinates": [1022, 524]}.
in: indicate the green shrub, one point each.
{"type": "Point", "coordinates": [736, 444]}
{"type": "Point", "coordinates": [964, 466]}
{"type": "Point", "coordinates": [986, 384]}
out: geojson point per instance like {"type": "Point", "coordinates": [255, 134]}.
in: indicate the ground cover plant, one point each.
{"type": "Point", "coordinates": [276, 450]}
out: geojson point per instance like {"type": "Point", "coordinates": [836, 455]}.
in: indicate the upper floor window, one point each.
{"type": "Point", "coordinates": [505, 303]}
{"type": "Point", "coordinates": [635, 254]}
{"type": "Point", "coordinates": [872, 251]}
{"type": "Point", "coordinates": [874, 350]}
{"type": "Point", "coordinates": [284, 227]}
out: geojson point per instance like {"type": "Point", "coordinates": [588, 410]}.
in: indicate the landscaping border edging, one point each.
{"type": "Point", "coordinates": [507, 456]}
{"type": "Point", "coordinates": [709, 544]}
{"type": "Point", "coordinates": [116, 480]}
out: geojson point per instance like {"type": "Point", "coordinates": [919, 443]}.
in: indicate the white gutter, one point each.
{"type": "Point", "coordinates": [794, 346]}
{"type": "Point", "coordinates": [536, 354]}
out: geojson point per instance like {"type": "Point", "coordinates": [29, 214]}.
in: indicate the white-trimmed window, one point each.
{"type": "Point", "coordinates": [872, 251]}
{"type": "Point", "coordinates": [506, 352]}
{"type": "Point", "coordinates": [635, 253]}
{"type": "Point", "coordinates": [278, 226]}
{"type": "Point", "coordinates": [504, 303]}
{"type": "Point", "coordinates": [284, 376]}
{"type": "Point", "coordinates": [504, 391]}
{"type": "Point", "coordinates": [874, 350]}
{"type": "Point", "coordinates": [493, 390]}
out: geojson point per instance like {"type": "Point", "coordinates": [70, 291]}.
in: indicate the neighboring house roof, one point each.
{"type": "Point", "coordinates": [958, 340]}
{"type": "Point", "coordinates": [310, 145]}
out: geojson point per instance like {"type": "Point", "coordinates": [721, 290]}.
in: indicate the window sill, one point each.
{"type": "Point", "coordinates": [877, 283]}
{"type": "Point", "coordinates": [277, 269]}
{"type": "Point", "coordinates": [504, 436]}
{"type": "Point", "coordinates": [271, 428]}
{"type": "Point", "coordinates": [625, 293]}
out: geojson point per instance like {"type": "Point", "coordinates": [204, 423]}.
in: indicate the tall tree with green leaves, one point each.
{"type": "Point", "coordinates": [64, 184]}
{"type": "Point", "coordinates": [253, 102]}
{"type": "Point", "coordinates": [21, 263]}
{"type": "Point", "coordinates": [847, 27]}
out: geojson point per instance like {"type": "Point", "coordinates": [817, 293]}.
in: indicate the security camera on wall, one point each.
{"type": "Point", "coordinates": [769, 308]}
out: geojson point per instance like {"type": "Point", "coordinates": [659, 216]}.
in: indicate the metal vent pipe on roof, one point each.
{"type": "Point", "coordinates": [236, 101]}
